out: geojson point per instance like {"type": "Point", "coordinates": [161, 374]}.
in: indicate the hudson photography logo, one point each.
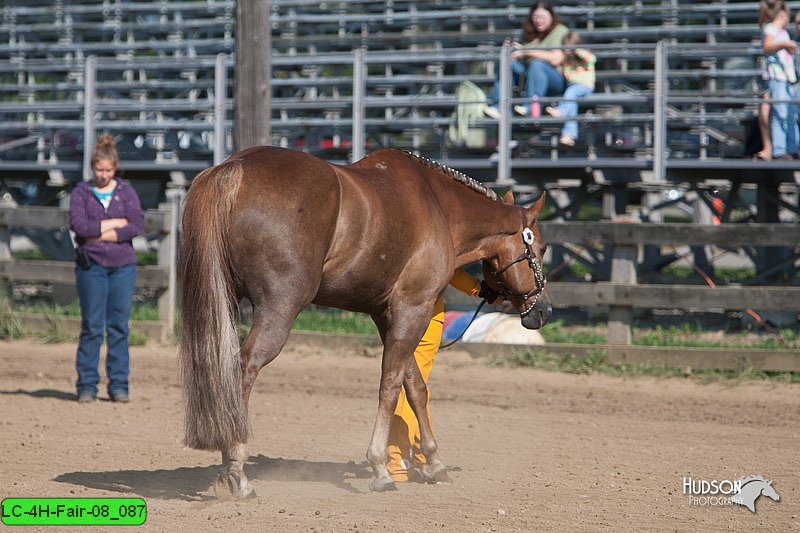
{"type": "Point", "coordinates": [726, 492]}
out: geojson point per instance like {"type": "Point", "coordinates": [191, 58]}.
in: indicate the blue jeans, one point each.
{"type": "Point", "coordinates": [541, 79]}
{"type": "Point", "coordinates": [106, 297]}
{"type": "Point", "coordinates": [783, 119]}
{"type": "Point", "coordinates": [570, 108]}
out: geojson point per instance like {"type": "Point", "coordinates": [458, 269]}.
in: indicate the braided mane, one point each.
{"type": "Point", "coordinates": [460, 177]}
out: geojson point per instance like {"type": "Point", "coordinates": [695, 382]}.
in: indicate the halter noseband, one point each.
{"type": "Point", "coordinates": [533, 263]}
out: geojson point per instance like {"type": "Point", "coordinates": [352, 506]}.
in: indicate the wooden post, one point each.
{"type": "Point", "coordinates": [623, 271]}
{"type": "Point", "coordinates": [253, 74]}
{"type": "Point", "coordinates": [168, 256]}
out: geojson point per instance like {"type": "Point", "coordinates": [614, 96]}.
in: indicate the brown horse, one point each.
{"type": "Point", "coordinates": [383, 236]}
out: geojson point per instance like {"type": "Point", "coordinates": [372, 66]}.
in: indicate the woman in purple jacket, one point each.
{"type": "Point", "coordinates": [105, 215]}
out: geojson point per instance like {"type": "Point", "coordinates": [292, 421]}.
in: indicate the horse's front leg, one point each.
{"type": "Point", "coordinates": [434, 470]}
{"type": "Point", "coordinates": [397, 355]}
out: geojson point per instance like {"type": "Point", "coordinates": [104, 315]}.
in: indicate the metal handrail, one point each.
{"type": "Point", "coordinates": [213, 113]}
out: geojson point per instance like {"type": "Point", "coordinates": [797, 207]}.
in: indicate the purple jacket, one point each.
{"type": "Point", "coordinates": [86, 212]}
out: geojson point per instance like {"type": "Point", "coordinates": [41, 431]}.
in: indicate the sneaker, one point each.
{"type": "Point", "coordinates": [553, 112]}
{"type": "Point", "coordinates": [120, 397]}
{"type": "Point", "coordinates": [86, 397]}
{"type": "Point", "coordinates": [492, 112]}
{"type": "Point", "coordinates": [566, 140]}
{"type": "Point", "coordinates": [522, 110]}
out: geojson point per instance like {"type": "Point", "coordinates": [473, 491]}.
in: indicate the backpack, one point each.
{"type": "Point", "coordinates": [471, 104]}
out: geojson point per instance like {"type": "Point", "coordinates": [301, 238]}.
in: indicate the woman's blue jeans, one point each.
{"type": "Point", "coordinates": [570, 108]}
{"type": "Point", "coordinates": [541, 79]}
{"type": "Point", "coordinates": [783, 119]}
{"type": "Point", "coordinates": [106, 297]}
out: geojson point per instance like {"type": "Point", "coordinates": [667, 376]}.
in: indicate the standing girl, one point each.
{"type": "Point", "coordinates": [781, 76]}
{"type": "Point", "coordinates": [105, 215]}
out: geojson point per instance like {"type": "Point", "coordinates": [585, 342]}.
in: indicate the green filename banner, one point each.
{"type": "Point", "coordinates": [73, 511]}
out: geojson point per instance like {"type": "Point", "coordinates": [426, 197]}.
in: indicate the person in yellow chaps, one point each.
{"type": "Point", "coordinates": [403, 450]}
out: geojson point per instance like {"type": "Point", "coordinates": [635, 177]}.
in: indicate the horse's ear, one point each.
{"type": "Point", "coordinates": [508, 197]}
{"type": "Point", "coordinates": [536, 208]}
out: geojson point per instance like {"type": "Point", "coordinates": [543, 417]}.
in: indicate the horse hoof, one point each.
{"type": "Point", "coordinates": [427, 475]}
{"type": "Point", "coordinates": [382, 485]}
{"type": "Point", "coordinates": [441, 476]}
{"type": "Point", "coordinates": [227, 488]}
{"type": "Point", "coordinates": [221, 489]}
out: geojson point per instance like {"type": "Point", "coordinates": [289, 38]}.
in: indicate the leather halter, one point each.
{"type": "Point", "coordinates": [533, 264]}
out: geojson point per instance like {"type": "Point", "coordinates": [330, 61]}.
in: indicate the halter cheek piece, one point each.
{"type": "Point", "coordinates": [533, 263]}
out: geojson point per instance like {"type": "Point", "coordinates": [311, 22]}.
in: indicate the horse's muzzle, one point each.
{"type": "Point", "coordinates": [539, 315]}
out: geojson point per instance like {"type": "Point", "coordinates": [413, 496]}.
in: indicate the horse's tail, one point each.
{"type": "Point", "coordinates": [209, 363]}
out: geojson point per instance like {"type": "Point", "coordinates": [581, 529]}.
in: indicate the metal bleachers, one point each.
{"type": "Point", "coordinates": [157, 75]}
{"type": "Point", "coordinates": [152, 85]}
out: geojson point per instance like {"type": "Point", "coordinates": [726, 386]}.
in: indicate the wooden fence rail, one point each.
{"type": "Point", "coordinates": [635, 233]}
{"type": "Point", "coordinates": [159, 278]}
{"type": "Point", "coordinates": [623, 293]}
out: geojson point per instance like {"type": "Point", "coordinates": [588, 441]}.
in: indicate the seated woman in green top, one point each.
{"type": "Point", "coordinates": [542, 29]}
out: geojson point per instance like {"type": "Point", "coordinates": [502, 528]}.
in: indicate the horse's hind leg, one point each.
{"type": "Point", "coordinates": [417, 393]}
{"type": "Point", "coordinates": [263, 344]}
{"type": "Point", "coordinates": [232, 481]}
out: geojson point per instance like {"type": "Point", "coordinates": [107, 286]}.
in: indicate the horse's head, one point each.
{"type": "Point", "coordinates": [515, 268]}
{"type": "Point", "coordinates": [769, 491]}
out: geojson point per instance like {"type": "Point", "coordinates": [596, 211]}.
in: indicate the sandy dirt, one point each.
{"type": "Point", "coordinates": [527, 450]}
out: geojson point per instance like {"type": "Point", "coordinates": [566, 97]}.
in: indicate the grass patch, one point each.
{"type": "Point", "coordinates": [555, 332]}
{"type": "Point", "coordinates": [47, 309]}
{"type": "Point", "coordinates": [136, 337]}
{"type": "Point", "coordinates": [723, 274]}
{"type": "Point", "coordinates": [144, 311]}
{"type": "Point", "coordinates": [679, 272]}
{"type": "Point", "coordinates": [55, 332]}
{"type": "Point", "coordinates": [541, 358]}
{"type": "Point", "coordinates": [146, 257]}
{"type": "Point", "coordinates": [595, 361]}
{"type": "Point", "coordinates": [316, 318]}
{"type": "Point", "coordinates": [143, 257]}
{"type": "Point", "coordinates": [685, 335]}
{"type": "Point", "coordinates": [693, 336]}
{"type": "Point", "coordinates": [10, 324]}
{"type": "Point", "coordinates": [140, 310]}
{"type": "Point", "coordinates": [32, 254]}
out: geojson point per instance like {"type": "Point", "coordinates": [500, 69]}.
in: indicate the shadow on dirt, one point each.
{"type": "Point", "coordinates": [193, 483]}
{"type": "Point", "coordinates": [42, 393]}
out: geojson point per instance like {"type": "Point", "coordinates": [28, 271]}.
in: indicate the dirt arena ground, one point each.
{"type": "Point", "coordinates": [528, 450]}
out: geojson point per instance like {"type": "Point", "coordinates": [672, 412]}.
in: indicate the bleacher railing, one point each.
{"type": "Point", "coordinates": [364, 95]}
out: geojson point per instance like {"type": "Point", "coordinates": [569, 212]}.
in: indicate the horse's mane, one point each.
{"type": "Point", "coordinates": [460, 177]}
